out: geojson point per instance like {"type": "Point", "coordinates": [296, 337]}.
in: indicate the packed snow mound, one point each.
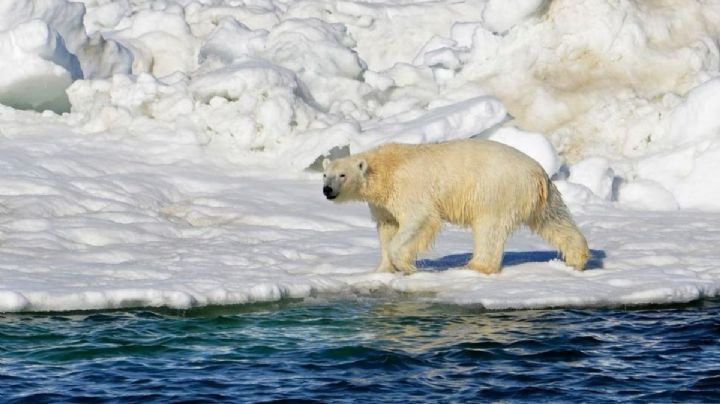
{"type": "Point", "coordinates": [625, 81]}
{"type": "Point", "coordinates": [534, 145]}
{"type": "Point", "coordinates": [36, 68]}
{"type": "Point", "coordinates": [681, 158]}
{"type": "Point", "coordinates": [322, 55]}
{"type": "Point", "coordinates": [455, 121]}
{"type": "Point", "coordinates": [390, 32]}
{"type": "Point", "coordinates": [45, 48]}
{"type": "Point", "coordinates": [574, 70]}
{"type": "Point", "coordinates": [631, 82]}
{"type": "Point", "coordinates": [501, 15]}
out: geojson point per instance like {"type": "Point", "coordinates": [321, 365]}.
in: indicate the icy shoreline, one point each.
{"type": "Point", "coordinates": [635, 271]}
{"type": "Point", "coordinates": [93, 222]}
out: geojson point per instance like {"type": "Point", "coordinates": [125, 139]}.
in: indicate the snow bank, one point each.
{"type": "Point", "coordinates": [534, 145]}
{"type": "Point", "coordinates": [689, 151]}
{"type": "Point", "coordinates": [277, 83]}
{"type": "Point", "coordinates": [45, 49]}
{"type": "Point", "coordinates": [627, 81]}
{"type": "Point", "coordinates": [455, 121]}
{"type": "Point", "coordinates": [37, 69]}
{"type": "Point", "coordinates": [501, 15]}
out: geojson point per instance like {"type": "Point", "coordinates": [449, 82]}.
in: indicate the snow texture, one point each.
{"type": "Point", "coordinates": [161, 153]}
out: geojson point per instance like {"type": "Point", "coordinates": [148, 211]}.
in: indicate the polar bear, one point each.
{"type": "Point", "coordinates": [487, 186]}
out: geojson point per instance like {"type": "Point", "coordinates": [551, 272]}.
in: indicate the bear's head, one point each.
{"type": "Point", "coordinates": [343, 178]}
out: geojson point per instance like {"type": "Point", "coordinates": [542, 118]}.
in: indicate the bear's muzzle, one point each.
{"type": "Point", "coordinates": [328, 192]}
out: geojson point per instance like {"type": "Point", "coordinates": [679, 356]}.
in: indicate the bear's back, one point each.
{"type": "Point", "coordinates": [455, 175]}
{"type": "Point", "coordinates": [458, 153]}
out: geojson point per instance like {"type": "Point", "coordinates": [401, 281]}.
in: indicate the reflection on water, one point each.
{"type": "Point", "coordinates": [390, 348]}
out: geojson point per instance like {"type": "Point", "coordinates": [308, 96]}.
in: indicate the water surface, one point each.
{"type": "Point", "coordinates": [377, 349]}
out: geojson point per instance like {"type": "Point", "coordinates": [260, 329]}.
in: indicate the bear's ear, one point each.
{"type": "Point", "coordinates": [326, 163]}
{"type": "Point", "coordinates": [362, 166]}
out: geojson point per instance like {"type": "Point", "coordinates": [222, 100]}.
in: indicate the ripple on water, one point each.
{"type": "Point", "coordinates": [355, 349]}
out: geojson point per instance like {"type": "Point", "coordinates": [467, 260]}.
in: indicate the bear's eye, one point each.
{"type": "Point", "coordinates": [342, 175]}
{"type": "Point", "coordinates": [324, 175]}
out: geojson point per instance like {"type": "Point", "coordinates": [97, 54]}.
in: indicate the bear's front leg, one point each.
{"type": "Point", "coordinates": [387, 228]}
{"type": "Point", "coordinates": [404, 246]}
{"type": "Point", "coordinates": [386, 232]}
{"type": "Point", "coordinates": [403, 260]}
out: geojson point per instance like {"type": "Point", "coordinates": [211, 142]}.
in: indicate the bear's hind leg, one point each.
{"type": "Point", "coordinates": [566, 237]}
{"type": "Point", "coordinates": [554, 223]}
{"type": "Point", "coordinates": [489, 236]}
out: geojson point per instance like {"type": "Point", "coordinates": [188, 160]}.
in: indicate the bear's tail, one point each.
{"type": "Point", "coordinates": [554, 223]}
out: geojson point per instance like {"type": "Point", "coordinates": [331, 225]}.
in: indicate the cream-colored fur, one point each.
{"type": "Point", "coordinates": [487, 186]}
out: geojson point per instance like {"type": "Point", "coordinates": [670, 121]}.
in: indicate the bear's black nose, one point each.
{"type": "Point", "coordinates": [327, 191]}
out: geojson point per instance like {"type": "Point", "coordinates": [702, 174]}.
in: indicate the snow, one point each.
{"type": "Point", "coordinates": [455, 121]}
{"type": "Point", "coordinates": [596, 174]}
{"type": "Point", "coordinates": [690, 150]}
{"type": "Point", "coordinates": [161, 153]}
{"type": "Point", "coordinates": [48, 68]}
{"type": "Point", "coordinates": [501, 15]}
{"type": "Point", "coordinates": [45, 48]}
{"type": "Point", "coordinates": [534, 145]}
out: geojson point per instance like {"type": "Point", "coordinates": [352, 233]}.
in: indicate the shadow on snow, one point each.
{"type": "Point", "coordinates": [510, 258]}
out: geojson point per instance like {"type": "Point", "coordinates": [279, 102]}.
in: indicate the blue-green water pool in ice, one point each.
{"type": "Point", "coordinates": [375, 349]}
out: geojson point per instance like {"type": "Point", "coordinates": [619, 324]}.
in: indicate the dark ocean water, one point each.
{"type": "Point", "coordinates": [363, 349]}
